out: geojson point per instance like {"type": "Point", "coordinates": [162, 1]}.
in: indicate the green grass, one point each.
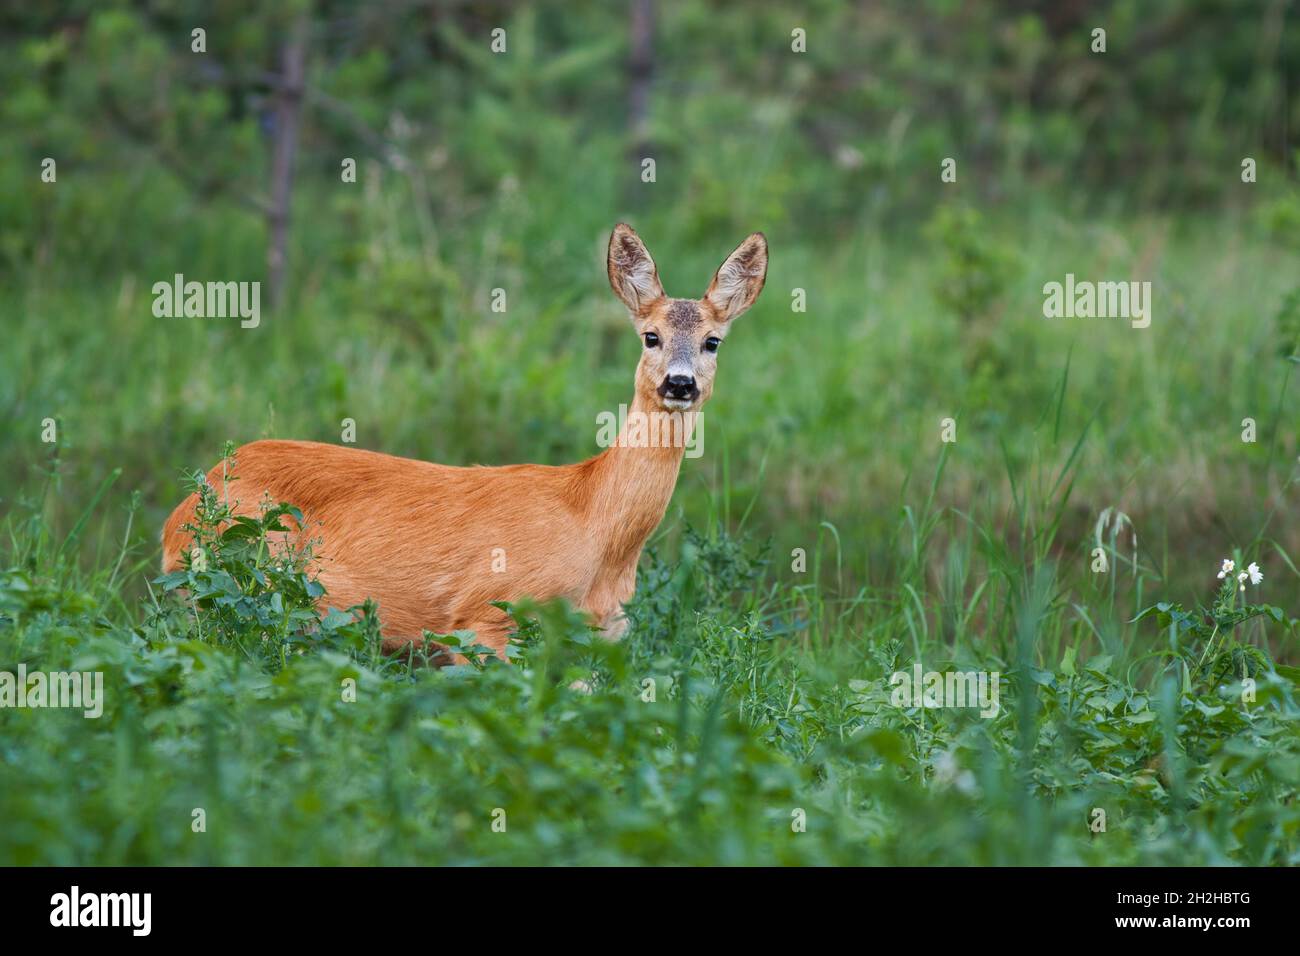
{"type": "Point", "coordinates": [771, 683]}
{"type": "Point", "coordinates": [739, 704]}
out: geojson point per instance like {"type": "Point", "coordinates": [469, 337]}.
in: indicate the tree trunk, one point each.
{"type": "Point", "coordinates": [641, 71]}
{"type": "Point", "coordinates": [288, 113]}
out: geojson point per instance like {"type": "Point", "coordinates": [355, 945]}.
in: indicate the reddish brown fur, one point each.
{"type": "Point", "coordinates": [421, 538]}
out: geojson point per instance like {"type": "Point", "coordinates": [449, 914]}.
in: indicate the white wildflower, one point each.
{"type": "Point", "coordinates": [949, 773]}
{"type": "Point", "coordinates": [1256, 575]}
{"type": "Point", "coordinates": [1228, 565]}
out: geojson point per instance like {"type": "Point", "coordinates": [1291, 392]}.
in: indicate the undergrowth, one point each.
{"type": "Point", "coordinates": [242, 724]}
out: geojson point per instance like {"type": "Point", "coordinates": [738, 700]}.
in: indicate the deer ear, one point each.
{"type": "Point", "coordinates": [632, 273]}
{"type": "Point", "coordinates": [740, 279]}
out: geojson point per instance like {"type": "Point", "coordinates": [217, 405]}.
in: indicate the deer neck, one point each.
{"type": "Point", "coordinates": [632, 481]}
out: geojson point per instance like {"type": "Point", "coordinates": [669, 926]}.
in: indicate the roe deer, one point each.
{"type": "Point", "coordinates": [434, 544]}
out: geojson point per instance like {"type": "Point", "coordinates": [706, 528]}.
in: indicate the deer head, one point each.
{"type": "Point", "coordinates": [681, 337]}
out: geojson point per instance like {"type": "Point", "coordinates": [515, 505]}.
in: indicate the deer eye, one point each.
{"type": "Point", "coordinates": [651, 340]}
{"type": "Point", "coordinates": [711, 343]}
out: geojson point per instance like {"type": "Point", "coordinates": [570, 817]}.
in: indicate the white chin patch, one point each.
{"type": "Point", "coordinates": [678, 404]}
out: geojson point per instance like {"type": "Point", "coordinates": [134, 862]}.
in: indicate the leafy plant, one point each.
{"type": "Point", "coordinates": [1208, 637]}
{"type": "Point", "coordinates": [977, 267]}
{"type": "Point", "coordinates": [250, 582]}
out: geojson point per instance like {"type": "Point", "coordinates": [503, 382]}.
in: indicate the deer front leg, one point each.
{"type": "Point", "coordinates": [605, 602]}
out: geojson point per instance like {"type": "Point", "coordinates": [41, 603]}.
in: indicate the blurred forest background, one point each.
{"type": "Point", "coordinates": [479, 170]}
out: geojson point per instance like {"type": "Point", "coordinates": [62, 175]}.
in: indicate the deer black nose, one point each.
{"type": "Point", "coordinates": [679, 387]}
